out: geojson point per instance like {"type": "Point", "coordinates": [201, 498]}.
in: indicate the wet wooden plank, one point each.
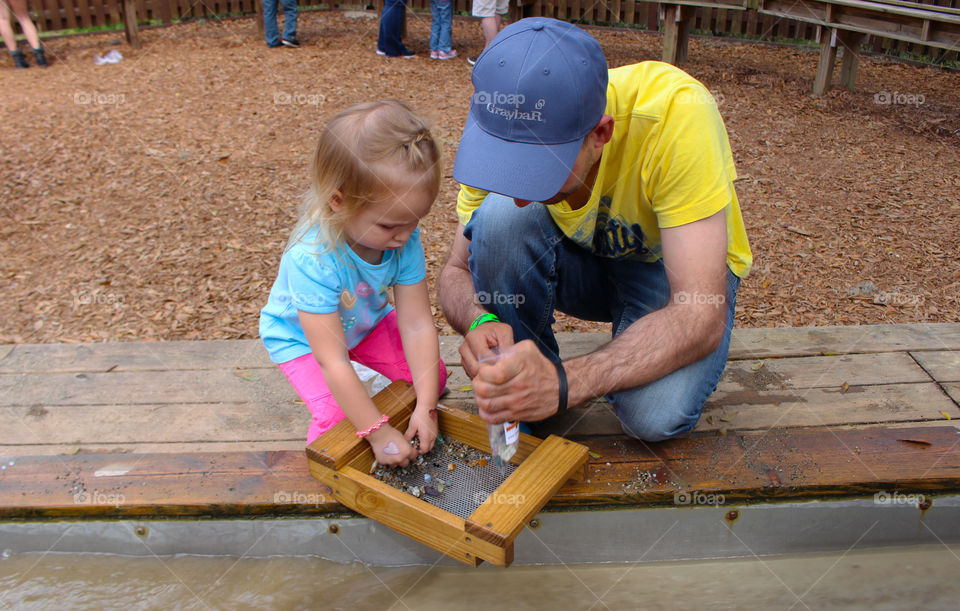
{"type": "Point", "coordinates": [813, 341]}
{"type": "Point", "coordinates": [953, 390]}
{"type": "Point", "coordinates": [944, 365]}
{"type": "Point", "coordinates": [250, 354]}
{"type": "Point", "coordinates": [781, 374]}
{"type": "Point", "coordinates": [153, 423]}
{"type": "Point", "coordinates": [136, 356]}
{"type": "Point", "coordinates": [822, 371]}
{"type": "Point", "coordinates": [177, 447]}
{"type": "Point", "coordinates": [146, 387]}
{"type": "Point", "coordinates": [750, 410]}
{"type": "Point", "coordinates": [741, 411]}
{"type": "Point", "coordinates": [780, 464]}
{"type": "Point", "coordinates": [234, 483]}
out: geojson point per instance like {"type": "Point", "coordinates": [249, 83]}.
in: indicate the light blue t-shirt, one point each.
{"type": "Point", "coordinates": [333, 281]}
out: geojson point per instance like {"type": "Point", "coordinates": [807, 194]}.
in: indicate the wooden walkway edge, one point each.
{"type": "Point", "coordinates": [213, 428]}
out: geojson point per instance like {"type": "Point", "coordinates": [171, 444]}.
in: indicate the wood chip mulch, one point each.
{"type": "Point", "coordinates": [150, 199]}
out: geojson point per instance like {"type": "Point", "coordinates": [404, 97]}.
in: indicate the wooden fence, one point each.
{"type": "Point", "coordinates": [56, 15]}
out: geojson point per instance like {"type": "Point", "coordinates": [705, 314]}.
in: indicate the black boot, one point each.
{"type": "Point", "coordinates": [40, 57]}
{"type": "Point", "coordinates": [19, 59]}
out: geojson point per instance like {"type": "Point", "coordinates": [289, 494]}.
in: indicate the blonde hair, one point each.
{"type": "Point", "coordinates": [356, 148]}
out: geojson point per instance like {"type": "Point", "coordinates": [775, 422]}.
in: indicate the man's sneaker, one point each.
{"type": "Point", "coordinates": [379, 52]}
{"type": "Point", "coordinates": [293, 44]}
{"type": "Point", "coordinates": [434, 54]}
{"type": "Point", "coordinates": [472, 61]}
{"type": "Point", "coordinates": [447, 54]}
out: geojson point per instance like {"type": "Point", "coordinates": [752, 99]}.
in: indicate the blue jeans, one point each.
{"type": "Point", "coordinates": [524, 268]}
{"type": "Point", "coordinates": [442, 11]}
{"type": "Point", "coordinates": [391, 26]}
{"type": "Point", "coordinates": [271, 32]}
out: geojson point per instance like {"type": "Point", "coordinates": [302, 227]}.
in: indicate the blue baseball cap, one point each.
{"type": "Point", "coordinates": [539, 89]}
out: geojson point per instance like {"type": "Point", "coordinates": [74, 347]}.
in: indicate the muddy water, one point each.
{"type": "Point", "coordinates": [915, 577]}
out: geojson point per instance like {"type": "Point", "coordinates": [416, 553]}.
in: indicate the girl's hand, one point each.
{"type": "Point", "coordinates": [390, 448]}
{"type": "Point", "coordinates": [423, 424]}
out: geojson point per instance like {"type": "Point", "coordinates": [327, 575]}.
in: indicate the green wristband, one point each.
{"type": "Point", "coordinates": [485, 317]}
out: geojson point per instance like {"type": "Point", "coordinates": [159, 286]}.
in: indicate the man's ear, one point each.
{"type": "Point", "coordinates": [603, 131]}
{"type": "Point", "coordinates": [336, 201]}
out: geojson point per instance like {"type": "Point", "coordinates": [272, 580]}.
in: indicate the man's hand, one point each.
{"type": "Point", "coordinates": [423, 424]}
{"type": "Point", "coordinates": [484, 338]}
{"type": "Point", "coordinates": [522, 386]}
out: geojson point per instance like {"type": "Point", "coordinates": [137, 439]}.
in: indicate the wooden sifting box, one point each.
{"type": "Point", "coordinates": [342, 461]}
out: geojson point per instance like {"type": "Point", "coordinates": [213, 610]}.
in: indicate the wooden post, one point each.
{"type": "Point", "coordinates": [685, 15]}
{"type": "Point", "coordinates": [258, 9]}
{"type": "Point", "coordinates": [828, 52]}
{"type": "Point", "coordinates": [676, 33]}
{"type": "Point", "coordinates": [130, 26]}
{"type": "Point", "coordinates": [851, 42]}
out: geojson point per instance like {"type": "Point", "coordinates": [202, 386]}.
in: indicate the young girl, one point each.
{"type": "Point", "coordinates": [376, 172]}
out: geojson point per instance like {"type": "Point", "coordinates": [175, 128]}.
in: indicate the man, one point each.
{"type": "Point", "coordinates": [491, 14]}
{"type": "Point", "coordinates": [608, 196]}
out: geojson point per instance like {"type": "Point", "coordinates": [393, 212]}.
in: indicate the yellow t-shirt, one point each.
{"type": "Point", "coordinates": [668, 164]}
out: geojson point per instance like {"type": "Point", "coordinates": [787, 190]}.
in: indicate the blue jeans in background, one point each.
{"type": "Point", "coordinates": [271, 32]}
{"type": "Point", "coordinates": [523, 268]}
{"type": "Point", "coordinates": [442, 11]}
{"type": "Point", "coordinates": [391, 26]}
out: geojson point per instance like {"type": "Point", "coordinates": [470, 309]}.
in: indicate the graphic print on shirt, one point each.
{"type": "Point", "coordinates": [615, 238]}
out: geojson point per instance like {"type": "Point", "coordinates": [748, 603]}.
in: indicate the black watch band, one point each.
{"type": "Point", "coordinates": [562, 379]}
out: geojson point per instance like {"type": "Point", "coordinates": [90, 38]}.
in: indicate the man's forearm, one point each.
{"type": "Point", "coordinates": [457, 298]}
{"type": "Point", "coordinates": [652, 347]}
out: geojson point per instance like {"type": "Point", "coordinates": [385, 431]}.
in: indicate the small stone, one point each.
{"type": "Point", "coordinates": [431, 491]}
{"type": "Point", "coordinates": [451, 467]}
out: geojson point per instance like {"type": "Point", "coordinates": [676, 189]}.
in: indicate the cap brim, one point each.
{"type": "Point", "coordinates": [534, 172]}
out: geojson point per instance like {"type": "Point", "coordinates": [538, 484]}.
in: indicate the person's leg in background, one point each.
{"type": "Point", "coordinates": [19, 9]}
{"type": "Point", "coordinates": [389, 40]}
{"type": "Point", "coordinates": [435, 15]}
{"type": "Point", "coordinates": [270, 30]}
{"type": "Point", "coordinates": [444, 36]}
{"type": "Point", "coordinates": [290, 13]}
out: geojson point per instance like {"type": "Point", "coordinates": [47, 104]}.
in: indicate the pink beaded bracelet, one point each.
{"type": "Point", "coordinates": [383, 419]}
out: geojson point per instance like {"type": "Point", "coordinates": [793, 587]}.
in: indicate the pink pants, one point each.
{"type": "Point", "coordinates": [381, 351]}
